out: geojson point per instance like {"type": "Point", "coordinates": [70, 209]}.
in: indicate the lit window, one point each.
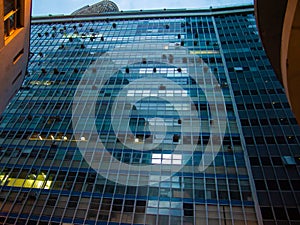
{"type": "Point", "coordinates": [32, 181]}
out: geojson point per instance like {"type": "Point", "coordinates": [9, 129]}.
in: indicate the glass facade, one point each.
{"type": "Point", "coordinates": [162, 118]}
{"type": "Point", "coordinates": [270, 130]}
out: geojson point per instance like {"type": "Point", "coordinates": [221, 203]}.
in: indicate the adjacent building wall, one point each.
{"type": "Point", "coordinates": [279, 30]}
{"type": "Point", "coordinates": [13, 53]}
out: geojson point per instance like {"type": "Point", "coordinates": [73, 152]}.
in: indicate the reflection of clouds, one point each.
{"type": "Point", "coordinates": [184, 141]}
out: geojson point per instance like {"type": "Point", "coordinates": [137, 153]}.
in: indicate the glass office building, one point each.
{"type": "Point", "coordinates": [154, 117]}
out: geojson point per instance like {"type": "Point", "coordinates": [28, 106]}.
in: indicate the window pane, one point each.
{"type": "Point", "coordinates": [9, 5]}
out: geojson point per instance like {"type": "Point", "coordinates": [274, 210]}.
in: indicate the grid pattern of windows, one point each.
{"type": "Point", "coordinates": [270, 130]}
{"type": "Point", "coordinates": [43, 168]}
{"type": "Point", "coordinates": [44, 177]}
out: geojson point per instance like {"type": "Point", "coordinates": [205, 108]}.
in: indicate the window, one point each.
{"type": "Point", "coordinates": [260, 185]}
{"type": "Point", "coordinates": [284, 185]}
{"type": "Point", "coordinates": [12, 16]}
{"type": "Point", "coordinates": [288, 160]}
{"type": "Point", "coordinates": [238, 69]}
{"type": "Point", "coordinates": [293, 213]}
{"type": "Point", "coordinates": [266, 213]}
{"type": "Point", "coordinates": [280, 213]}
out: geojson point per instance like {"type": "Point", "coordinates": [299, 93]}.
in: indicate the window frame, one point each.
{"type": "Point", "coordinates": [13, 16]}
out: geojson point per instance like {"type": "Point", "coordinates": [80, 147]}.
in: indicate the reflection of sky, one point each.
{"type": "Point", "coordinates": [45, 7]}
{"type": "Point", "coordinates": [169, 159]}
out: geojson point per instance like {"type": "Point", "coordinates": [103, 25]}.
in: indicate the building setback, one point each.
{"type": "Point", "coordinates": [153, 117]}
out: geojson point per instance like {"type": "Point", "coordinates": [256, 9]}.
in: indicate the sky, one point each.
{"type": "Point", "coordinates": [55, 7]}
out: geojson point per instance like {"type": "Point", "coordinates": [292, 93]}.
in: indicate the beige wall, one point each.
{"type": "Point", "coordinates": [9, 49]}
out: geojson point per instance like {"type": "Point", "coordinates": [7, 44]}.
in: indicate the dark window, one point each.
{"type": "Point", "coordinates": [267, 213]}
{"type": "Point", "coordinates": [263, 92]}
{"type": "Point", "coordinates": [240, 106]}
{"type": "Point", "coordinates": [268, 105]}
{"type": "Point", "coordinates": [260, 185]}
{"type": "Point", "coordinates": [249, 140]}
{"type": "Point", "coordinates": [245, 92]}
{"type": "Point", "coordinates": [272, 185]}
{"type": "Point", "coordinates": [284, 121]}
{"type": "Point", "coordinates": [296, 185]}
{"type": "Point", "coordinates": [270, 140]}
{"type": "Point", "coordinates": [280, 140]}
{"type": "Point", "coordinates": [250, 106]}
{"type": "Point", "coordinates": [265, 161]}
{"type": "Point", "coordinates": [280, 91]}
{"type": "Point", "coordinates": [276, 161]}
{"type": "Point", "coordinates": [271, 91]}
{"type": "Point", "coordinates": [259, 140]}
{"type": "Point", "coordinates": [264, 122]}
{"type": "Point", "coordinates": [293, 213]}
{"type": "Point", "coordinates": [284, 185]}
{"type": "Point", "coordinates": [285, 105]}
{"type": "Point", "coordinates": [293, 121]}
{"type": "Point", "coordinates": [254, 122]}
{"type": "Point", "coordinates": [254, 161]}
{"type": "Point", "coordinates": [280, 213]}
{"type": "Point", "coordinates": [291, 140]}
{"type": "Point", "coordinates": [258, 106]}
{"type": "Point", "coordinates": [245, 122]}
{"type": "Point", "coordinates": [274, 121]}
